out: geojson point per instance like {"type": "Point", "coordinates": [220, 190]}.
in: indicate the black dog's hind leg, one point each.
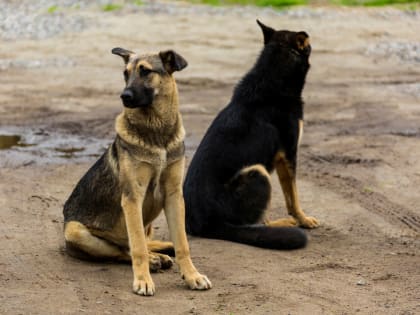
{"type": "Point", "coordinates": [249, 193]}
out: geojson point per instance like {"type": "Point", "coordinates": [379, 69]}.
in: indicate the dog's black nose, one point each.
{"type": "Point", "coordinates": [127, 95]}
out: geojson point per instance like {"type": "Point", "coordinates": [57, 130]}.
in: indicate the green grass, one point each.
{"type": "Point", "coordinates": [115, 6]}
{"type": "Point", "coordinates": [138, 2]}
{"type": "Point", "coordinates": [52, 9]}
{"type": "Point", "coordinates": [111, 7]}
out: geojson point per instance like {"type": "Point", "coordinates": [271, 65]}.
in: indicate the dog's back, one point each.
{"type": "Point", "coordinates": [225, 200]}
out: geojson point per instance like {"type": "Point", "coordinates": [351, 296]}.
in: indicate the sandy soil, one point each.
{"type": "Point", "coordinates": [359, 166]}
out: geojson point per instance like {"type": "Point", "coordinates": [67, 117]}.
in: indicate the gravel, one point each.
{"type": "Point", "coordinates": [34, 63]}
{"type": "Point", "coordinates": [31, 19]}
{"type": "Point", "coordinates": [43, 19]}
{"type": "Point", "coordinates": [403, 51]}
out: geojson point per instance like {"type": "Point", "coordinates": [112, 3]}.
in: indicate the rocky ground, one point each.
{"type": "Point", "coordinates": [359, 167]}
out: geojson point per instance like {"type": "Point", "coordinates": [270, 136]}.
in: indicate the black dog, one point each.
{"type": "Point", "coordinates": [227, 188]}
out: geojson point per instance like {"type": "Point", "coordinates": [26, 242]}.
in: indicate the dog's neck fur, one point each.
{"type": "Point", "coordinates": [272, 81]}
{"type": "Point", "coordinates": [158, 125]}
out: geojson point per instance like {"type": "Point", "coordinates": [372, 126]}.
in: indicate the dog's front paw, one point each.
{"type": "Point", "coordinates": [197, 282]}
{"type": "Point", "coordinates": [308, 222]}
{"type": "Point", "coordinates": [143, 285]}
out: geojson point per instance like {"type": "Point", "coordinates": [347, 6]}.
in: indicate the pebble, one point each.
{"type": "Point", "coordinates": [361, 282]}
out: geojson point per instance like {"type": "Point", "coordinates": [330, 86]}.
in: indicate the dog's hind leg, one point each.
{"type": "Point", "coordinates": [161, 247]}
{"type": "Point", "coordinates": [249, 192]}
{"type": "Point", "coordinates": [81, 243]}
{"type": "Point", "coordinates": [281, 222]}
{"type": "Point", "coordinates": [158, 246]}
{"type": "Point", "coordinates": [252, 191]}
{"type": "Point", "coordinates": [159, 261]}
{"type": "Point", "coordinates": [159, 252]}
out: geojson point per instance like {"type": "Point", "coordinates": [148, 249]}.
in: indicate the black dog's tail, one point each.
{"type": "Point", "coordinates": [262, 236]}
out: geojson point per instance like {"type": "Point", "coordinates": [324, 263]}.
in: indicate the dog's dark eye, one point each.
{"type": "Point", "coordinates": [144, 71]}
{"type": "Point", "coordinates": [126, 75]}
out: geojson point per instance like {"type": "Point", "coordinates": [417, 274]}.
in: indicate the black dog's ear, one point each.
{"type": "Point", "coordinates": [302, 41]}
{"type": "Point", "coordinates": [267, 32]}
{"type": "Point", "coordinates": [172, 61]}
{"type": "Point", "coordinates": [124, 53]}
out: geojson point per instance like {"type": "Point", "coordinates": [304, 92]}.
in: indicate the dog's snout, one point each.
{"type": "Point", "coordinates": [127, 95]}
{"type": "Point", "coordinates": [136, 97]}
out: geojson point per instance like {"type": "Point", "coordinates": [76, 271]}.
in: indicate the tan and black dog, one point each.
{"type": "Point", "coordinates": [109, 214]}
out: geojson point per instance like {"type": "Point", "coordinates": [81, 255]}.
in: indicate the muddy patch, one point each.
{"type": "Point", "coordinates": [22, 146]}
{"type": "Point", "coordinates": [9, 141]}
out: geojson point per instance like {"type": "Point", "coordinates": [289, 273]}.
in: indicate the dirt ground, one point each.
{"type": "Point", "coordinates": [359, 166]}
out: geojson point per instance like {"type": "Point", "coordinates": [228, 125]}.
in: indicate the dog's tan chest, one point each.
{"type": "Point", "coordinates": [155, 196]}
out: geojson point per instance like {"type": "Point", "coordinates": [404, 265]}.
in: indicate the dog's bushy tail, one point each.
{"type": "Point", "coordinates": [263, 236]}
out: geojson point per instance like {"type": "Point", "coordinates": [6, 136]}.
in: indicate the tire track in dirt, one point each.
{"type": "Point", "coordinates": [316, 167]}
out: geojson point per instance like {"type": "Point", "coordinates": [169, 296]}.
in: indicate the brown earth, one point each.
{"type": "Point", "coordinates": [359, 167]}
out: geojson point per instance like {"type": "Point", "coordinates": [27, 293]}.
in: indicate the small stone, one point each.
{"type": "Point", "coordinates": [361, 282]}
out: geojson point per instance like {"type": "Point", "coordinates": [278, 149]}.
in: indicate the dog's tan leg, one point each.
{"type": "Point", "coordinates": [175, 215]}
{"type": "Point", "coordinates": [287, 179]}
{"type": "Point", "coordinates": [281, 222]}
{"type": "Point", "coordinates": [135, 186]}
{"type": "Point", "coordinates": [157, 246]}
{"type": "Point", "coordinates": [79, 237]}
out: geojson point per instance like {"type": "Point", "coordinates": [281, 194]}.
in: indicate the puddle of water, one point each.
{"type": "Point", "coordinates": [21, 146]}
{"type": "Point", "coordinates": [8, 141]}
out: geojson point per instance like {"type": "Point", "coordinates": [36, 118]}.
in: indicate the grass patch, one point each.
{"type": "Point", "coordinates": [111, 7]}
{"type": "Point", "coordinates": [259, 3]}
{"type": "Point", "coordinates": [52, 9]}
{"type": "Point", "coordinates": [138, 2]}
{"type": "Point", "coordinates": [373, 3]}
{"type": "Point", "coordinates": [367, 189]}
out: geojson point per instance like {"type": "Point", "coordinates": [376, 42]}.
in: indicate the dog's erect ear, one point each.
{"type": "Point", "coordinates": [302, 40]}
{"type": "Point", "coordinates": [302, 43]}
{"type": "Point", "coordinates": [124, 53]}
{"type": "Point", "coordinates": [267, 32]}
{"type": "Point", "coordinates": [172, 61]}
